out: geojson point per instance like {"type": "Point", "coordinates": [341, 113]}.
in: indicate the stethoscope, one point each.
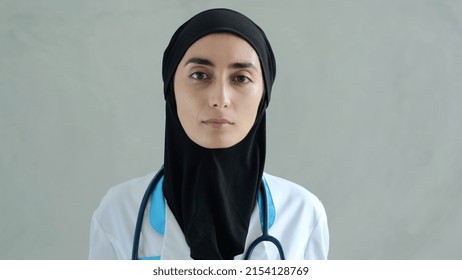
{"type": "Point", "coordinates": [264, 237]}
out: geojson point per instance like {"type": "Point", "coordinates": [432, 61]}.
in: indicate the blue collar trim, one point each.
{"type": "Point", "coordinates": [156, 258]}
{"type": "Point", "coordinates": [271, 209]}
{"type": "Point", "coordinates": [157, 208]}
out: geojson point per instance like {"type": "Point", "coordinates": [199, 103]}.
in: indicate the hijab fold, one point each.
{"type": "Point", "coordinates": [212, 192]}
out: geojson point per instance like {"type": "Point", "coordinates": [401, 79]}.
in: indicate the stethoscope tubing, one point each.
{"type": "Point", "coordinates": [141, 210]}
{"type": "Point", "coordinates": [264, 237]}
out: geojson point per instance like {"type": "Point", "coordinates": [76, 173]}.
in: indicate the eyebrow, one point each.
{"type": "Point", "coordinates": [198, 60]}
{"type": "Point", "coordinates": [206, 62]}
{"type": "Point", "coordinates": [242, 65]}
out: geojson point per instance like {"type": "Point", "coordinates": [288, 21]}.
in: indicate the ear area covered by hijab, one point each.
{"type": "Point", "coordinates": [212, 192]}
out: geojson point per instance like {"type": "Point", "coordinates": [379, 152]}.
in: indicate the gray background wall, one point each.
{"type": "Point", "coordinates": [366, 112]}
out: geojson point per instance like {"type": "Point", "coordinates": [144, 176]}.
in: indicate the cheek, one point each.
{"type": "Point", "coordinates": [189, 108]}
{"type": "Point", "coordinates": [257, 99]}
{"type": "Point", "coordinates": [249, 111]}
{"type": "Point", "coordinates": [186, 109]}
{"type": "Point", "coordinates": [182, 103]}
{"type": "Point", "coordinates": [182, 96]}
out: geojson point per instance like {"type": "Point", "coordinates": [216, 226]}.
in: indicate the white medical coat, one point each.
{"type": "Point", "coordinates": [297, 219]}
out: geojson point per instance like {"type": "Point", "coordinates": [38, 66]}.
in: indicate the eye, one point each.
{"type": "Point", "coordinates": [199, 76]}
{"type": "Point", "coordinates": [242, 79]}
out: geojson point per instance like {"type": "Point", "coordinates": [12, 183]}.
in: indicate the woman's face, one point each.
{"type": "Point", "coordinates": [218, 86]}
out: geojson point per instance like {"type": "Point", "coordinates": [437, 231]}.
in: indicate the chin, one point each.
{"type": "Point", "coordinates": [217, 143]}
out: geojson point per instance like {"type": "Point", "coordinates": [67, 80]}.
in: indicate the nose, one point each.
{"type": "Point", "coordinates": [219, 96]}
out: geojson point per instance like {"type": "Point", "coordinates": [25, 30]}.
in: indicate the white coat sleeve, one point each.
{"type": "Point", "coordinates": [100, 245]}
{"type": "Point", "coordinates": [318, 243]}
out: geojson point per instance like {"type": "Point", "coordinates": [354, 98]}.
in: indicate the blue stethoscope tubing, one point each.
{"type": "Point", "coordinates": [264, 237]}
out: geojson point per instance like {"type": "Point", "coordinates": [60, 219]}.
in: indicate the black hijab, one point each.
{"type": "Point", "coordinates": [212, 192]}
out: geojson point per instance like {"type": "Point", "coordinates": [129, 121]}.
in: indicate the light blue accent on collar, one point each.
{"type": "Point", "coordinates": [150, 258]}
{"type": "Point", "coordinates": [157, 209]}
{"type": "Point", "coordinates": [271, 209]}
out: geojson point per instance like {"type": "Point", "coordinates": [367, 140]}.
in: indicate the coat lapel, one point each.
{"type": "Point", "coordinates": [174, 246]}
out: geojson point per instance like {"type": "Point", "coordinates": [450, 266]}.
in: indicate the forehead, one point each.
{"type": "Point", "coordinates": [222, 46]}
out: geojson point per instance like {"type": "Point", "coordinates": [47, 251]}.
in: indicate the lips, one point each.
{"type": "Point", "coordinates": [217, 123]}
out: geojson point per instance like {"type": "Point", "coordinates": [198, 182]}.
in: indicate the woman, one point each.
{"type": "Point", "coordinates": [211, 197]}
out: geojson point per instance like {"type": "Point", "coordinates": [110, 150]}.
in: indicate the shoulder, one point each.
{"type": "Point", "coordinates": [120, 204]}
{"type": "Point", "coordinates": [287, 188]}
{"type": "Point", "coordinates": [113, 222]}
{"type": "Point", "coordinates": [288, 194]}
{"type": "Point", "coordinates": [304, 215]}
{"type": "Point", "coordinates": [127, 193]}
